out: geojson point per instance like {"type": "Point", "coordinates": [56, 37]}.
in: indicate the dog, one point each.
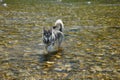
{"type": "Point", "coordinates": [54, 35]}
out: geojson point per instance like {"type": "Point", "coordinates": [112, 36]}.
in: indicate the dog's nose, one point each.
{"type": "Point", "coordinates": [48, 41]}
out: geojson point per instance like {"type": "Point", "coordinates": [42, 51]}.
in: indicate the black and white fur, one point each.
{"type": "Point", "coordinates": [53, 35]}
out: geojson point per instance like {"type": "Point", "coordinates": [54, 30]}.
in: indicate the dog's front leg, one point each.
{"type": "Point", "coordinates": [45, 48]}
{"type": "Point", "coordinates": [52, 43]}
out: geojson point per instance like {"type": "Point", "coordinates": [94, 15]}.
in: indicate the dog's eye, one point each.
{"type": "Point", "coordinates": [44, 33]}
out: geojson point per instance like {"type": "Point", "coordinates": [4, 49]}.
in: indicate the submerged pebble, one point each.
{"type": "Point", "coordinates": [90, 49]}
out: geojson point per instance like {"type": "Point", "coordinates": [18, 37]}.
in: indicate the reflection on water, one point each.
{"type": "Point", "coordinates": [90, 49]}
{"type": "Point", "coordinates": [51, 56]}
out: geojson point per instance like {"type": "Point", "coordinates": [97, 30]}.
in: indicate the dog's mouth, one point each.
{"type": "Point", "coordinates": [46, 41]}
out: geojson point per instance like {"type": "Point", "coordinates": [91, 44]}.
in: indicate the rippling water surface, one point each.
{"type": "Point", "coordinates": [91, 49]}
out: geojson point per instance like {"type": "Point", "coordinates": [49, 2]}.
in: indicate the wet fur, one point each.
{"type": "Point", "coordinates": [54, 35]}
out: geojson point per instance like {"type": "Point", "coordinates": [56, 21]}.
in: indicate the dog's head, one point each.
{"type": "Point", "coordinates": [47, 35]}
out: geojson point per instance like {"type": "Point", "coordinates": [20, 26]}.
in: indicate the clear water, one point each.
{"type": "Point", "coordinates": [91, 49]}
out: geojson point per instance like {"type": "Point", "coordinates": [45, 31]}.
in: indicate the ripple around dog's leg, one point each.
{"type": "Point", "coordinates": [51, 56]}
{"type": "Point", "coordinates": [60, 50]}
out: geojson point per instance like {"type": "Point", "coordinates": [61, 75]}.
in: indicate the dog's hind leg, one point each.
{"type": "Point", "coordinates": [60, 40]}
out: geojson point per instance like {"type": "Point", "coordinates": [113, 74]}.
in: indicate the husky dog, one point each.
{"type": "Point", "coordinates": [53, 35]}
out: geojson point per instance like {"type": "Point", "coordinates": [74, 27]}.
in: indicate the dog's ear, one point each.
{"type": "Point", "coordinates": [44, 30]}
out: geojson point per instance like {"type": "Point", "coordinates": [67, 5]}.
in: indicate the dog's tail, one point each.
{"type": "Point", "coordinates": [59, 24]}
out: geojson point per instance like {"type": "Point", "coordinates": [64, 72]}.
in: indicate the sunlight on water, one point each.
{"type": "Point", "coordinates": [90, 49]}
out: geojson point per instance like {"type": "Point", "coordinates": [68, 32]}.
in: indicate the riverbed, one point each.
{"type": "Point", "coordinates": [90, 50]}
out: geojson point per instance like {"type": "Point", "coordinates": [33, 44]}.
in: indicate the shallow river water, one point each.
{"type": "Point", "coordinates": [90, 51]}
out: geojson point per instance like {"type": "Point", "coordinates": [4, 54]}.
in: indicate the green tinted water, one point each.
{"type": "Point", "coordinates": [90, 50]}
